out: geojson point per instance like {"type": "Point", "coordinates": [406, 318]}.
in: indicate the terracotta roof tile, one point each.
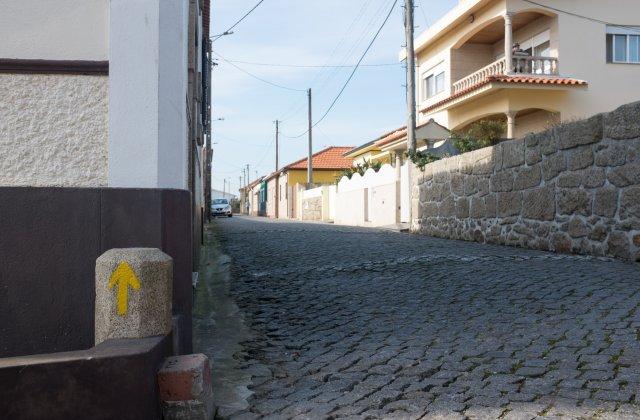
{"type": "Point", "coordinates": [399, 133]}
{"type": "Point", "coordinates": [535, 80]}
{"type": "Point", "coordinates": [329, 158]}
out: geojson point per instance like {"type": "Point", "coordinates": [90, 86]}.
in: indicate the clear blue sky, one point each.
{"type": "Point", "coordinates": [309, 32]}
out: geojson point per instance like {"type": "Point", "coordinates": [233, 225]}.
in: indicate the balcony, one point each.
{"type": "Point", "coordinates": [521, 65]}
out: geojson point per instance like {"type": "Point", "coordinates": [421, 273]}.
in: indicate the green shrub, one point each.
{"type": "Point", "coordinates": [479, 134]}
{"type": "Point", "coordinates": [360, 168]}
{"type": "Point", "coordinates": [421, 158]}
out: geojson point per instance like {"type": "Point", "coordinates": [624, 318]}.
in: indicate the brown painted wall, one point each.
{"type": "Point", "coordinates": [49, 241]}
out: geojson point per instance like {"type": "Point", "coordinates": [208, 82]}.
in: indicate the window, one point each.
{"type": "Point", "coordinates": [623, 45]}
{"type": "Point", "coordinates": [433, 85]}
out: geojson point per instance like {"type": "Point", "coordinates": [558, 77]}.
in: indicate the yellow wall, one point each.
{"type": "Point", "coordinates": [299, 176]}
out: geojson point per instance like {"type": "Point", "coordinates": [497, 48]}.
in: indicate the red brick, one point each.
{"type": "Point", "coordinates": [184, 378]}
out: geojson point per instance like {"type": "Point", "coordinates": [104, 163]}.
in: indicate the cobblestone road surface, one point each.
{"type": "Point", "coordinates": [363, 323]}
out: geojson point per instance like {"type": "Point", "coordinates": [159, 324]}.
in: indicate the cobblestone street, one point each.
{"type": "Point", "coordinates": [365, 323]}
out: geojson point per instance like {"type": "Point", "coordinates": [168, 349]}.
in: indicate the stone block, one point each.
{"type": "Point", "coordinates": [470, 184]}
{"type": "Point", "coordinates": [477, 208]}
{"type": "Point", "coordinates": [605, 201]}
{"type": "Point", "coordinates": [509, 204]}
{"type": "Point", "coordinates": [553, 165]}
{"type": "Point", "coordinates": [598, 233]}
{"type": "Point", "coordinates": [502, 181]}
{"type": "Point", "coordinates": [569, 180]}
{"type": "Point", "coordinates": [462, 208]}
{"type": "Point", "coordinates": [133, 293]}
{"type": "Point", "coordinates": [623, 123]}
{"type": "Point", "coordinates": [184, 383]}
{"type": "Point", "coordinates": [611, 154]}
{"type": "Point", "coordinates": [483, 186]}
{"type": "Point", "coordinates": [512, 153]}
{"type": "Point", "coordinates": [574, 201]}
{"type": "Point", "coordinates": [593, 177]}
{"type": "Point", "coordinates": [625, 175]}
{"type": "Point", "coordinates": [429, 209]}
{"type": "Point", "coordinates": [630, 203]}
{"type": "Point", "coordinates": [579, 158]}
{"type": "Point", "coordinates": [577, 228]}
{"type": "Point", "coordinates": [457, 184]}
{"type": "Point", "coordinates": [442, 176]}
{"type": "Point", "coordinates": [532, 155]}
{"type": "Point", "coordinates": [561, 242]}
{"type": "Point", "coordinates": [491, 206]}
{"type": "Point", "coordinates": [533, 139]}
{"type": "Point", "coordinates": [527, 177]}
{"type": "Point", "coordinates": [618, 245]}
{"type": "Point", "coordinates": [447, 207]}
{"type": "Point", "coordinates": [539, 204]}
{"type": "Point", "coordinates": [548, 143]}
{"type": "Point", "coordinates": [579, 133]}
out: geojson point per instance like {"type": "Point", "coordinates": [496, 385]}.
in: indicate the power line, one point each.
{"type": "Point", "coordinates": [228, 31]}
{"type": "Point", "coordinates": [296, 107]}
{"type": "Point", "coordinates": [256, 77]}
{"type": "Point", "coordinates": [353, 72]}
{"type": "Point", "coordinates": [633, 28]}
{"type": "Point", "coordinates": [312, 66]}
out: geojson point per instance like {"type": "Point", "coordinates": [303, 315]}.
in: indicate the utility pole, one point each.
{"type": "Point", "coordinates": [411, 100]}
{"type": "Point", "coordinates": [277, 176]}
{"type": "Point", "coordinates": [411, 77]}
{"type": "Point", "coordinates": [224, 187]}
{"type": "Point", "coordinates": [310, 152]}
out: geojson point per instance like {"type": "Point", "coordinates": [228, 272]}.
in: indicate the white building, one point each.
{"type": "Point", "coordinates": [105, 93]}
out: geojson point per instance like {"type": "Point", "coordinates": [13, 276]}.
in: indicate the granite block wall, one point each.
{"type": "Point", "coordinates": [574, 188]}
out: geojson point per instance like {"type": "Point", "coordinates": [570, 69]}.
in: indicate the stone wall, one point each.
{"type": "Point", "coordinates": [312, 208]}
{"type": "Point", "coordinates": [574, 188]}
{"type": "Point", "coordinates": [54, 130]}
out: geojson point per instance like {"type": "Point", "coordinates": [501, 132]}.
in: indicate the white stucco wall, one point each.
{"type": "Point", "coordinates": [53, 130]}
{"type": "Point", "coordinates": [54, 29]}
{"type": "Point", "coordinates": [147, 91]}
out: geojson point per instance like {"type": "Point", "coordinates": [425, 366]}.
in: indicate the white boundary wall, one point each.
{"type": "Point", "coordinates": [369, 200]}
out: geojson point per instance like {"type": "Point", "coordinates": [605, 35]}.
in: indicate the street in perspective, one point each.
{"type": "Point", "coordinates": [363, 209]}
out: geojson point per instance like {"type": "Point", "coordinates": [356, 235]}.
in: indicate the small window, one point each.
{"type": "Point", "coordinates": [440, 83]}
{"type": "Point", "coordinates": [623, 45]}
{"type": "Point", "coordinates": [433, 85]}
{"type": "Point", "coordinates": [620, 48]}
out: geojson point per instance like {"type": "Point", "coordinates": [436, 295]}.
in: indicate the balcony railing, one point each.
{"type": "Point", "coordinates": [521, 65]}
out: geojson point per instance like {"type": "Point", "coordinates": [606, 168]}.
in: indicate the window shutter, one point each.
{"type": "Point", "coordinates": [609, 48]}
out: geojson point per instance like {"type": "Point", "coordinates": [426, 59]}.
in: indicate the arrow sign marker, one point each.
{"type": "Point", "coordinates": [124, 276]}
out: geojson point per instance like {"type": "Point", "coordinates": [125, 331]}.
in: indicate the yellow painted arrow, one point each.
{"type": "Point", "coordinates": [124, 276]}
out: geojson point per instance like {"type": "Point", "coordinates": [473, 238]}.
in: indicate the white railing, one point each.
{"type": "Point", "coordinates": [521, 65]}
{"type": "Point", "coordinates": [497, 67]}
{"type": "Point", "coordinates": [535, 65]}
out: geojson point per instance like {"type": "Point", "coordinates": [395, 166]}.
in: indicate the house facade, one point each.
{"type": "Point", "coordinates": [391, 147]}
{"type": "Point", "coordinates": [278, 194]}
{"type": "Point", "coordinates": [529, 64]}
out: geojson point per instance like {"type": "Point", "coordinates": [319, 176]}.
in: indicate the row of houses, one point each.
{"type": "Point", "coordinates": [529, 65]}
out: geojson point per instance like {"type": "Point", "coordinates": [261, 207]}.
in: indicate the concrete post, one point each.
{"type": "Point", "coordinates": [398, 169]}
{"type": "Point", "coordinates": [133, 294]}
{"type": "Point", "coordinates": [508, 42]}
{"type": "Point", "coordinates": [511, 124]}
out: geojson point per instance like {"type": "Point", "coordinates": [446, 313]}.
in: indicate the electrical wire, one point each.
{"type": "Point", "coordinates": [311, 66]}
{"type": "Point", "coordinates": [299, 105]}
{"type": "Point", "coordinates": [257, 77]}
{"type": "Point", "coordinates": [632, 28]}
{"type": "Point", "coordinates": [335, 100]}
{"type": "Point", "coordinates": [215, 38]}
